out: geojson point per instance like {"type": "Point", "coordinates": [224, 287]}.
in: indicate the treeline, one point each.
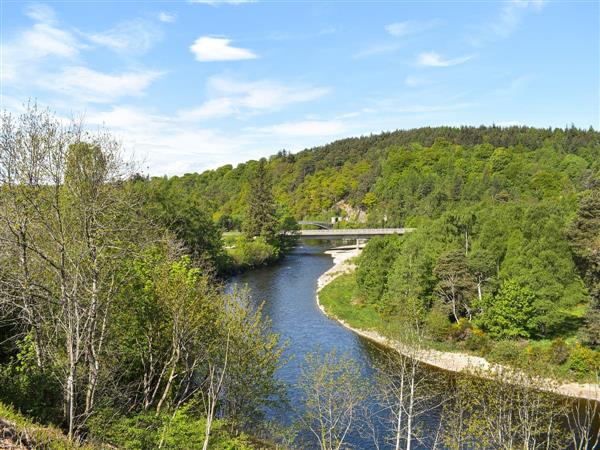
{"type": "Point", "coordinates": [112, 326]}
{"type": "Point", "coordinates": [391, 173]}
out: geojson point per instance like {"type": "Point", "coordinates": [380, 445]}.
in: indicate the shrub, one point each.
{"type": "Point", "coordinates": [477, 340]}
{"type": "Point", "coordinates": [507, 351]}
{"type": "Point", "coordinates": [559, 351]}
{"type": "Point", "coordinates": [460, 330]}
{"type": "Point", "coordinates": [437, 324]}
{"type": "Point", "coordinates": [511, 313]}
{"type": "Point", "coordinates": [184, 429]}
{"type": "Point", "coordinates": [252, 252]}
{"type": "Point", "coordinates": [583, 360]}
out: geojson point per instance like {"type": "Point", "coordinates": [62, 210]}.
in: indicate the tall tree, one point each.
{"type": "Point", "coordinates": [584, 237]}
{"type": "Point", "coordinates": [261, 218]}
{"type": "Point", "coordinates": [455, 283]}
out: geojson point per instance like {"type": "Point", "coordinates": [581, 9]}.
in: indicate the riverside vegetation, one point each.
{"type": "Point", "coordinates": [115, 326]}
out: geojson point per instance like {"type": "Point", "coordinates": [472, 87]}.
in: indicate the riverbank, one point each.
{"type": "Point", "coordinates": [451, 361]}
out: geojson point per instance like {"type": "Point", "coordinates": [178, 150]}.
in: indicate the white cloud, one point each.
{"type": "Point", "coordinates": [211, 109]}
{"type": "Point", "coordinates": [30, 47]}
{"type": "Point", "coordinates": [397, 30]}
{"type": "Point", "coordinates": [305, 128]}
{"type": "Point", "coordinates": [133, 36]}
{"type": "Point", "coordinates": [377, 50]}
{"type": "Point", "coordinates": [88, 85]}
{"type": "Point", "coordinates": [433, 59]}
{"type": "Point", "coordinates": [171, 145]}
{"type": "Point", "coordinates": [208, 48]}
{"type": "Point", "coordinates": [167, 17]}
{"type": "Point", "coordinates": [401, 29]}
{"type": "Point", "coordinates": [228, 96]}
{"type": "Point", "coordinates": [41, 13]}
{"type": "Point", "coordinates": [264, 94]}
{"type": "Point", "coordinates": [508, 21]}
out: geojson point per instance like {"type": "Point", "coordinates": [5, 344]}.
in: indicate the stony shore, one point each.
{"type": "Point", "coordinates": [451, 361]}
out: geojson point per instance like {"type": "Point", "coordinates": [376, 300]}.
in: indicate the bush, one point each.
{"type": "Point", "coordinates": [511, 313]}
{"type": "Point", "coordinates": [507, 351]}
{"type": "Point", "coordinates": [460, 330]}
{"type": "Point", "coordinates": [477, 340]}
{"type": "Point", "coordinates": [249, 253]}
{"type": "Point", "coordinates": [184, 429]}
{"type": "Point", "coordinates": [23, 383]}
{"type": "Point", "coordinates": [583, 361]}
{"type": "Point", "coordinates": [437, 324]}
{"type": "Point", "coordinates": [559, 351]}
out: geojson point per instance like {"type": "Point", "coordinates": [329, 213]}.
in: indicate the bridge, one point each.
{"type": "Point", "coordinates": [350, 233]}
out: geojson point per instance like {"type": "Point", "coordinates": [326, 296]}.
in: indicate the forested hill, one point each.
{"type": "Point", "coordinates": [404, 174]}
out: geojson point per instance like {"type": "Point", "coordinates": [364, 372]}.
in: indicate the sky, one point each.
{"type": "Point", "coordinates": [192, 85]}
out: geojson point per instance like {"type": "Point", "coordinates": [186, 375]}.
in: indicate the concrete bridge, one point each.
{"type": "Point", "coordinates": [349, 233]}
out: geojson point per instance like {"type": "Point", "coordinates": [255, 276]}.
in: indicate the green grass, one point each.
{"type": "Point", "coordinates": [37, 436]}
{"type": "Point", "coordinates": [337, 298]}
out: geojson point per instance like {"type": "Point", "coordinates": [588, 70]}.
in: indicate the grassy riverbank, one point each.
{"type": "Point", "coordinates": [567, 363]}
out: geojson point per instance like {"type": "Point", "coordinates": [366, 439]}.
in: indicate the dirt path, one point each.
{"type": "Point", "coordinates": [454, 362]}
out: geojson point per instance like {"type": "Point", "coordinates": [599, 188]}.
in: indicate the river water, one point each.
{"type": "Point", "coordinates": [287, 291]}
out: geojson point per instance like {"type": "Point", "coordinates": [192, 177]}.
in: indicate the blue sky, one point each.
{"type": "Point", "coordinates": [193, 85]}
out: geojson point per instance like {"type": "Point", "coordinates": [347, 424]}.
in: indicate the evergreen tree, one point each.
{"type": "Point", "coordinates": [455, 283]}
{"type": "Point", "coordinates": [584, 237]}
{"type": "Point", "coordinates": [261, 218]}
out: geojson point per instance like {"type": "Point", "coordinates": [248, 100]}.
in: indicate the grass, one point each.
{"type": "Point", "coordinates": [337, 298]}
{"type": "Point", "coordinates": [23, 430]}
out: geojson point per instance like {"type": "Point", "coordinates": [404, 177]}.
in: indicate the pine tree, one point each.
{"type": "Point", "coordinates": [584, 237]}
{"type": "Point", "coordinates": [261, 218]}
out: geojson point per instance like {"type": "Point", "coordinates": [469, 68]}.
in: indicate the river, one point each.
{"type": "Point", "coordinates": [287, 291]}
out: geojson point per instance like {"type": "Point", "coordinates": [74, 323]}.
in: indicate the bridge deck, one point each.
{"type": "Point", "coordinates": [351, 233]}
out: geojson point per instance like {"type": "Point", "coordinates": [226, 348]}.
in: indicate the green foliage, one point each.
{"type": "Point", "coordinates": [175, 207]}
{"type": "Point", "coordinates": [24, 383]}
{"type": "Point", "coordinates": [437, 324]}
{"type": "Point", "coordinates": [146, 431]}
{"type": "Point", "coordinates": [372, 274]}
{"type": "Point", "coordinates": [23, 431]}
{"type": "Point", "coordinates": [583, 360]}
{"type": "Point", "coordinates": [247, 253]}
{"type": "Point", "coordinates": [260, 219]}
{"type": "Point", "coordinates": [511, 313]}
{"type": "Point", "coordinates": [559, 351]}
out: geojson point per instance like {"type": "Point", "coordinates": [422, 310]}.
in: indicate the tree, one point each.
{"type": "Point", "coordinates": [584, 238]}
{"type": "Point", "coordinates": [406, 391]}
{"type": "Point", "coordinates": [334, 389]}
{"type": "Point", "coordinates": [455, 284]}
{"type": "Point", "coordinates": [487, 413]}
{"type": "Point", "coordinates": [66, 221]}
{"type": "Point", "coordinates": [481, 265]}
{"type": "Point", "coordinates": [261, 218]}
{"type": "Point", "coordinates": [511, 313]}
{"type": "Point", "coordinates": [375, 264]}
